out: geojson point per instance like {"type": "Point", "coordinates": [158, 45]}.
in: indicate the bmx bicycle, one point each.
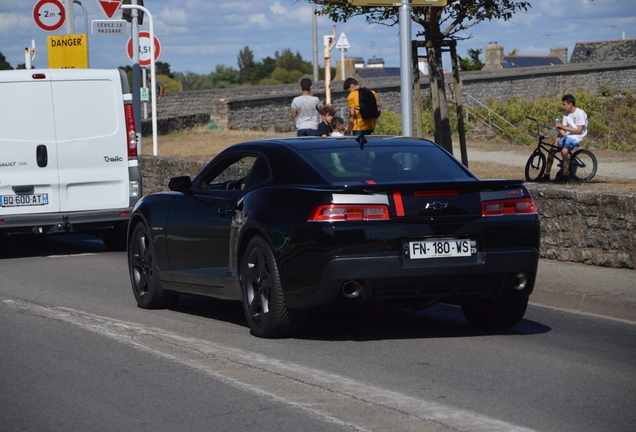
{"type": "Point", "coordinates": [583, 163]}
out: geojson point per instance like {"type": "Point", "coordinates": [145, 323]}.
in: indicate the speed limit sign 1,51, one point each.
{"type": "Point", "coordinates": [144, 48]}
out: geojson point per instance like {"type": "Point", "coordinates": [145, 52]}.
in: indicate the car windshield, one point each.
{"type": "Point", "coordinates": [378, 165]}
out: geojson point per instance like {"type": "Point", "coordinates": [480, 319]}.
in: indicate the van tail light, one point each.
{"type": "Point", "coordinates": [508, 207]}
{"type": "Point", "coordinates": [345, 212]}
{"type": "Point", "coordinates": [130, 130]}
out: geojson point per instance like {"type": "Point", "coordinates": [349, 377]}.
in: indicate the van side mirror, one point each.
{"type": "Point", "coordinates": [181, 184]}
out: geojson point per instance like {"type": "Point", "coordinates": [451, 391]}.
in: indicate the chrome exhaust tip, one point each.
{"type": "Point", "coordinates": [520, 281]}
{"type": "Point", "coordinates": [352, 289]}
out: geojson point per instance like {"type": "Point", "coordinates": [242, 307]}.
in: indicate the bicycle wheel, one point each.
{"type": "Point", "coordinates": [535, 167]}
{"type": "Point", "coordinates": [583, 165]}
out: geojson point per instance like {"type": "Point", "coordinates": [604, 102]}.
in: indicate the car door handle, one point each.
{"type": "Point", "coordinates": [42, 156]}
{"type": "Point", "coordinates": [225, 211]}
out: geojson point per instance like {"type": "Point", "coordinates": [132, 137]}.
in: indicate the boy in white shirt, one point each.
{"type": "Point", "coordinates": [573, 129]}
{"type": "Point", "coordinates": [337, 123]}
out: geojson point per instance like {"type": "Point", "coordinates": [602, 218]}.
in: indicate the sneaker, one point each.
{"type": "Point", "coordinates": [544, 179]}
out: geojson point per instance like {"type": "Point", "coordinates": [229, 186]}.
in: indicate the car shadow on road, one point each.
{"type": "Point", "coordinates": [24, 246]}
{"type": "Point", "coordinates": [439, 321]}
{"type": "Point", "coordinates": [364, 324]}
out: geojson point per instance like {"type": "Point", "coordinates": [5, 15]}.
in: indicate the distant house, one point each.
{"type": "Point", "coordinates": [377, 72]}
{"type": "Point", "coordinates": [604, 51]}
{"type": "Point", "coordinates": [495, 58]}
{"type": "Point", "coordinates": [517, 61]}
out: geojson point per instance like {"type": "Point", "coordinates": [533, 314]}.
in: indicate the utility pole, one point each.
{"type": "Point", "coordinates": [70, 21]}
{"type": "Point", "coordinates": [329, 42]}
{"type": "Point", "coordinates": [314, 38]}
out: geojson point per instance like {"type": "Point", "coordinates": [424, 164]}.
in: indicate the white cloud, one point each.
{"type": "Point", "coordinates": [11, 23]}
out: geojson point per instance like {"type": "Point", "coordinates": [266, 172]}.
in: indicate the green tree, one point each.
{"type": "Point", "coordinates": [4, 64]}
{"type": "Point", "coordinates": [472, 62]}
{"type": "Point", "coordinates": [264, 69]}
{"type": "Point", "coordinates": [187, 79]}
{"type": "Point", "coordinates": [247, 66]}
{"type": "Point", "coordinates": [436, 25]}
{"type": "Point", "coordinates": [162, 68]}
{"type": "Point", "coordinates": [222, 77]}
{"type": "Point", "coordinates": [292, 62]}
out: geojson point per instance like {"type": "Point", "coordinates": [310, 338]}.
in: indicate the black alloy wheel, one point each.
{"type": "Point", "coordinates": [144, 274]}
{"type": "Point", "coordinates": [263, 302]}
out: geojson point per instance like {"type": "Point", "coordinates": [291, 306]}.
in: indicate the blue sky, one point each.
{"type": "Point", "coordinates": [197, 35]}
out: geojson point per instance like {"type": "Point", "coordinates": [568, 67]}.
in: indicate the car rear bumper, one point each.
{"type": "Point", "coordinates": [52, 223]}
{"type": "Point", "coordinates": [391, 277]}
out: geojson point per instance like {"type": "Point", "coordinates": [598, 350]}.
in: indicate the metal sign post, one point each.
{"type": "Point", "coordinates": [343, 45]}
{"type": "Point", "coordinates": [406, 75]}
{"type": "Point", "coordinates": [153, 78]}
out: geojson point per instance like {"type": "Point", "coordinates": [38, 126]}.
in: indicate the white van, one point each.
{"type": "Point", "coordinates": [68, 153]}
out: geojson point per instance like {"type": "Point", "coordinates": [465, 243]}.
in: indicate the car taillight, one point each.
{"type": "Point", "coordinates": [130, 130]}
{"type": "Point", "coordinates": [344, 212]}
{"type": "Point", "coordinates": [508, 207]}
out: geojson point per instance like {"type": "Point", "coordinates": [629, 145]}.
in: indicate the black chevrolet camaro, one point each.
{"type": "Point", "coordinates": [293, 225]}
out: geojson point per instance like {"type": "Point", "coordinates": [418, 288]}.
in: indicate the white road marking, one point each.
{"type": "Point", "coordinates": [330, 397]}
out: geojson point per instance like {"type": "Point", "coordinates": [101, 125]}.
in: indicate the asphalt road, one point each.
{"type": "Point", "coordinates": [76, 354]}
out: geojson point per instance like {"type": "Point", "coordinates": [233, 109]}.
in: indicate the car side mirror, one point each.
{"type": "Point", "coordinates": [181, 184]}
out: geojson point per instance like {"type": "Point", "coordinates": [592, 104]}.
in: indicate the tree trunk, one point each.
{"type": "Point", "coordinates": [436, 75]}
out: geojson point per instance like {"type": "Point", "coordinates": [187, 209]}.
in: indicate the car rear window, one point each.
{"type": "Point", "coordinates": [391, 164]}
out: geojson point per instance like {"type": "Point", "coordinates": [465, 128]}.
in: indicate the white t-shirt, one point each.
{"type": "Point", "coordinates": [307, 116]}
{"type": "Point", "coordinates": [575, 119]}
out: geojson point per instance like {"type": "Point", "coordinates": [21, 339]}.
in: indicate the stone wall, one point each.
{"type": "Point", "coordinates": [577, 224]}
{"type": "Point", "coordinates": [586, 225]}
{"type": "Point", "coordinates": [268, 107]}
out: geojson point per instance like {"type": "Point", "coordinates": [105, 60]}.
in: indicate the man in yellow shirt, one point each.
{"type": "Point", "coordinates": [358, 125]}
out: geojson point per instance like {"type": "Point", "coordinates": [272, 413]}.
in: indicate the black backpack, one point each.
{"type": "Point", "coordinates": [368, 104]}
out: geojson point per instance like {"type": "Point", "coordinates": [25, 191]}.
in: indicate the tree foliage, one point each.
{"type": "Point", "coordinates": [472, 62]}
{"type": "Point", "coordinates": [284, 68]}
{"type": "Point", "coordinates": [4, 64]}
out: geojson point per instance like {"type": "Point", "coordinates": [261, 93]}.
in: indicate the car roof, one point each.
{"type": "Point", "coordinates": [311, 143]}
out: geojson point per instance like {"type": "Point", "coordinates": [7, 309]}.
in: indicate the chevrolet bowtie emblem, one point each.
{"type": "Point", "coordinates": [436, 205]}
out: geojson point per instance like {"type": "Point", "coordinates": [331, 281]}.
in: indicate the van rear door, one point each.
{"type": "Point", "coordinates": [91, 139]}
{"type": "Point", "coordinates": [28, 150]}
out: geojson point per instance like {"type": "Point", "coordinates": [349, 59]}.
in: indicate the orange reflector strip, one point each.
{"type": "Point", "coordinates": [124, 214]}
{"type": "Point", "coordinates": [399, 207]}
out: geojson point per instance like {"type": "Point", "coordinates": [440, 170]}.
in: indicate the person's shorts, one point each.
{"type": "Point", "coordinates": [568, 143]}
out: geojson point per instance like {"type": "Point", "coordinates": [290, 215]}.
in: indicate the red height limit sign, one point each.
{"type": "Point", "coordinates": [144, 48]}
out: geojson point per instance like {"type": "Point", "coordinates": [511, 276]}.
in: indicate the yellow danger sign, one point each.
{"type": "Point", "coordinates": [68, 51]}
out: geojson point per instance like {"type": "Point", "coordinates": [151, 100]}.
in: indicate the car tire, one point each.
{"type": "Point", "coordinates": [497, 314]}
{"type": "Point", "coordinates": [263, 301]}
{"type": "Point", "coordinates": [144, 274]}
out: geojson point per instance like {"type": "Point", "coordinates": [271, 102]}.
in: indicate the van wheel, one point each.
{"type": "Point", "coordinates": [144, 274]}
{"type": "Point", "coordinates": [115, 239]}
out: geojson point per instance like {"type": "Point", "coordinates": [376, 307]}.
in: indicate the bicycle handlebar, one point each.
{"type": "Point", "coordinates": [539, 128]}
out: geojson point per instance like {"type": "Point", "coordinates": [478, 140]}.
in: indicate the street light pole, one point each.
{"type": "Point", "coordinates": [406, 75]}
